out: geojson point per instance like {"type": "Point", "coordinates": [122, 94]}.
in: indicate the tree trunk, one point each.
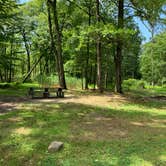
{"type": "Point", "coordinates": [88, 52]}
{"type": "Point", "coordinates": [59, 45]}
{"type": "Point", "coordinates": [10, 67]}
{"type": "Point", "coordinates": [94, 76]}
{"type": "Point", "coordinates": [152, 62]}
{"type": "Point", "coordinates": [27, 50]}
{"type": "Point", "coordinates": [33, 67]}
{"type": "Point", "coordinates": [118, 56]}
{"type": "Point", "coordinates": [82, 79]}
{"type": "Point", "coordinates": [1, 76]}
{"type": "Point", "coordinates": [47, 72]}
{"type": "Point", "coordinates": [106, 79]}
{"type": "Point", "coordinates": [53, 48]}
{"type": "Point", "coordinates": [91, 75]}
{"type": "Point", "coordinates": [98, 52]}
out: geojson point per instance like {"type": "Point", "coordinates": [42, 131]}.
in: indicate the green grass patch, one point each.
{"type": "Point", "coordinates": [131, 134]}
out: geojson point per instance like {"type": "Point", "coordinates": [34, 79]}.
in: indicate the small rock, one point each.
{"type": "Point", "coordinates": [55, 146]}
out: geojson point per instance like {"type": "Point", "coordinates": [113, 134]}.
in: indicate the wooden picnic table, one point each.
{"type": "Point", "coordinates": [46, 92]}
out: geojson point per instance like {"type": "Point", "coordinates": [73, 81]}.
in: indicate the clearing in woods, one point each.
{"type": "Point", "coordinates": [107, 129]}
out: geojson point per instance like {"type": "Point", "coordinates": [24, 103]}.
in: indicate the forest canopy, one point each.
{"type": "Point", "coordinates": [96, 41]}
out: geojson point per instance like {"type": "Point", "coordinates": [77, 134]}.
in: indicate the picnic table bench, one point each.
{"type": "Point", "coordinates": [47, 93]}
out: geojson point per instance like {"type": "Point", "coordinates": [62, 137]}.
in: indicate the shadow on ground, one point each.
{"type": "Point", "coordinates": [92, 135]}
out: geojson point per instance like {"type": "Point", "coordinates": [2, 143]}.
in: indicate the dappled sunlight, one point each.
{"type": "Point", "coordinates": [94, 100]}
{"type": "Point", "coordinates": [94, 126]}
{"type": "Point", "coordinates": [162, 158]}
{"type": "Point", "coordinates": [136, 160]}
{"type": "Point", "coordinates": [153, 123]}
{"type": "Point", "coordinates": [156, 125]}
{"type": "Point", "coordinates": [26, 147]}
{"type": "Point", "coordinates": [15, 119]}
{"type": "Point", "coordinates": [22, 131]}
{"type": "Point", "coordinates": [26, 114]}
{"type": "Point", "coordinates": [138, 124]}
{"type": "Point", "coordinates": [97, 100]}
{"type": "Point", "coordinates": [7, 107]}
{"type": "Point", "coordinates": [35, 107]}
{"type": "Point", "coordinates": [142, 109]}
{"type": "Point", "coordinates": [41, 123]}
{"type": "Point", "coordinates": [112, 128]}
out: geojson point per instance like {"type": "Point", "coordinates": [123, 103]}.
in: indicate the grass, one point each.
{"type": "Point", "coordinates": [150, 91]}
{"type": "Point", "coordinates": [119, 133]}
{"type": "Point", "coordinates": [16, 89]}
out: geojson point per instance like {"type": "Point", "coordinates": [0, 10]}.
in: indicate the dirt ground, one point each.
{"type": "Point", "coordinates": [93, 99]}
{"type": "Point", "coordinates": [93, 126]}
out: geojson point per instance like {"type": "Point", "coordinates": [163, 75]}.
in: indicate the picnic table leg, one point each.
{"type": "Point", "coordinates": [31, 92]}
{"type": "Point", "coordinates": [60, 93]}
{"type": "Point", "coordinates": [46, 93]}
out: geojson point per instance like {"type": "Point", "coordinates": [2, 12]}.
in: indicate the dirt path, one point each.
{"type": "Point", "coordinates": [105, 100]}
{"type": "Point", "coordinates": [10, 103]}
{"type": "Point", "coordinates": [96, 100]}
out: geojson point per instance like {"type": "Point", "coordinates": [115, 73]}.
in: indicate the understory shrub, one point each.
{"type": "Point", "coordinates": [9, 85]}
{"type": "Point", "coordinates": [52, 80]}
{"type": "Point", "coordinates": [133, 84]}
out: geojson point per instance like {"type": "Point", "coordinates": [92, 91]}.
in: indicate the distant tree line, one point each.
{"type": "Point", "coordinates": [95, 40]}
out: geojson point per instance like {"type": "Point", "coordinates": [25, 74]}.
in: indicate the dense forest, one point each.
{"type": "Point", "coordinates": [97, 42]}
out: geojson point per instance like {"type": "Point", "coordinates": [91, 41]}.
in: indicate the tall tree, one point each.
{"type": "Point", "coordinates": [89, 7]}
{"type": "Point", "coordinates": [53, 48]}
{"type": "Point", "coordinates": [98, 51]}
{"type": "Point", "coordinates": [27, 47]}
{"type": "Point", "coordinates": [150, 13]}
{"type": "Point", "coordinates": [158, 75]}
{"type": "Point", "coordinates": [58, 44]}
{"type": "Point", "coordinates": [118, 56]}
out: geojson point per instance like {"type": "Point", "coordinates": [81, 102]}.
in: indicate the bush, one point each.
{"type": "Point", "coordinates": [141, 84]}
{"type": "Point", "coordinates": [164, 86]}
{"type": "Point", "coordinates": [52, 80]}
{"type": "Point", "coordinates": [9, 85]}
{"type": "Point", "coordinates": [73, 82]}
{"type": "Point", "coordinates": [133, 84]}
{"type": "Point", "coordinates": [5, 85]}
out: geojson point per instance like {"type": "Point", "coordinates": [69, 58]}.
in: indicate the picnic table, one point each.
{"type": "Point", "coordinates": [46, 92]}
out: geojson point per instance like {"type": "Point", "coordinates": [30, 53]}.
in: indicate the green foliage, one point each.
{"type": "Point", "coordinates": [153, 60]}
{"type": "Point", "coordinates": [150, 11]}
{"type": "Point", "coordinates": [47, 81]}
{"type": "Point", "coordinates": [52, 81]}
{"type": "Point", "coordinates": [133, 84]}
{"type": "Point", "coordinates": [79, 29]}
{"type": "Point", "coordinates": [7, 13]}
{"type": "Point", "coordinates": [73, 82]}
{"type": "Point", "coordinates": [105, 31]}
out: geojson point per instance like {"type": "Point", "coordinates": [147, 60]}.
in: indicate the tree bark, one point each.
{"type": "Point", "coordinates": [33, 67]}
{"type": "Point", "coordinates": [27, 50]}
{"type": "Point", "coordinates": [53, 48]}
{"type": "Point", "coordinates": [10, 67]}
{"type": "Point", "coordinates": [98, 52]}
{"type": "Point", "coordinates": [152, 62]}
{"type": "Point", "coordinates": [88, 51]}
{"type": "Point", "coordinates": [118, 56]}
{"type": "Point", "coordinates": [62, 81]}
{"type": "Point", "coordinates": [94, 76]}
{"type": "Point", "coordinates": [1, 76]}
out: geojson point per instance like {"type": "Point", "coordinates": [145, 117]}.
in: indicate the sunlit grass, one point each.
{"type": "Point", "coordinates": [131, 134]}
